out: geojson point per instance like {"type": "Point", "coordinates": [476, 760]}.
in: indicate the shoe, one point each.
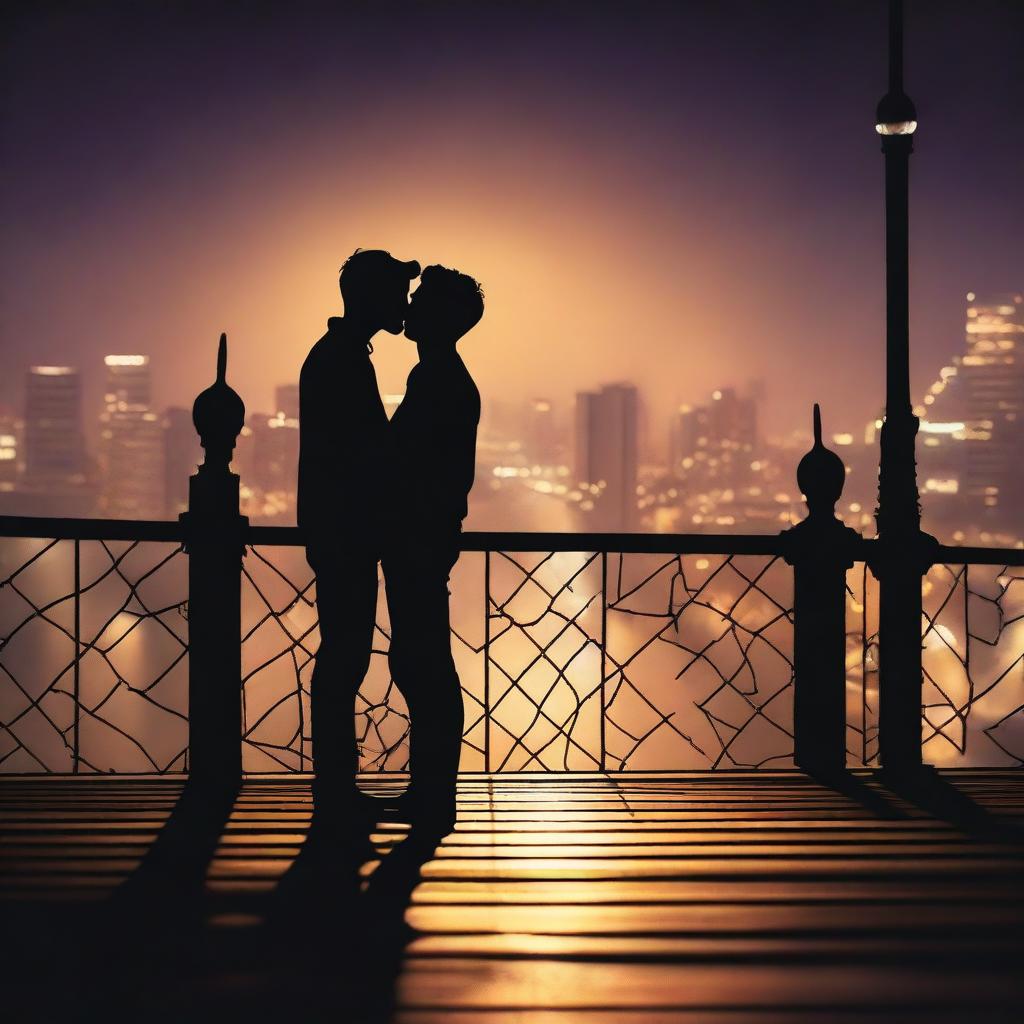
{"type": "Point", "coordinates": [433, 823]}
{"type": "Point", "coordinates": [431, 812]}
{"type": "Point", "coordinates": [347, 803]}
{"type": "Point", "coordinates": [366, 805]}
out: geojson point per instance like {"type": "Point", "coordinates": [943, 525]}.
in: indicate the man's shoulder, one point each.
{"type": "Point", "coordinates": [331, 351]}
{"type": "Point", "coordinates": [456, 383]}
{"type": "Point", "coordinates": [319, 354]}
{"type": "Point", "coordinates": [469, 388]}
{"type": "Point", "coordinates": [454, 372]}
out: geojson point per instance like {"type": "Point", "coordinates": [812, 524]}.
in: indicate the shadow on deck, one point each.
{"type": "Point", "coordinates": [632, 898]}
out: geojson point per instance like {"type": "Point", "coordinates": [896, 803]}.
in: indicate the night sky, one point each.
{"type": "Point", "coordinates": [687, 195]}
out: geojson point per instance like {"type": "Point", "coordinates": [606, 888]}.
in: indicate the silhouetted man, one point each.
{"type": "Point", "coordinates": [433, 442]}
{"type": "Point", "coordinates": [341, 470]}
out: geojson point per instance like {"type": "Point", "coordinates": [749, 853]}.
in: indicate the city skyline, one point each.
{"type": "Point", "coordinates": [639, 210]}
{"type": "Point", "coordinates": [282, 396]}
{"type": "Point", "coordinates": [601, 461]}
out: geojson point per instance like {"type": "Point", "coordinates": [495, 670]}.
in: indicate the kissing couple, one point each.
{"type": "Point", "coordinates": [392, 492]}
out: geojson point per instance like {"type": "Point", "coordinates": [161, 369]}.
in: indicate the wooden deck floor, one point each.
{"type": "Point", "coordinates": [766, 897]}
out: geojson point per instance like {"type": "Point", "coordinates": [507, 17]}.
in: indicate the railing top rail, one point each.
{"type": "Point", "coordinates": [639, 543]}
{"type": "Point", "coordinates": [171, 530]}
{"type": "Point", "coordinates": [952, 554]}
{"type": "Point", "coordinates": [60, 528]}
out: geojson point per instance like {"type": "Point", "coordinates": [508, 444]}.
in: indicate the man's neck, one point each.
{"type": "Point", "coordinates": [352, 331]}
{"type": "Point", "coordinates": [436, 352]}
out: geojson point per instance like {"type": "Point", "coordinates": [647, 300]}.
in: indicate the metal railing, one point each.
{"type": "Point", "coordinates": [973, 660]}
{"type": "Point", "coordinates": [600, 652]}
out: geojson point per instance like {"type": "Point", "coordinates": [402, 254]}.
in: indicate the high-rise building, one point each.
{"type": "Point", "coordinates": [733, 419]}
{"type": "Point", "coordinates": [541, 431]}
{"type": "Point", "coordinates": [606, 452]}
{"type": "Point", "coordinates": [10, 450]}
{"type": "Point", "coordinates": [54, 452]}
{"type": "Point", "coordinates": [716, 440]}
{"type": "Point", "coordinates": [182, 454]}
{"type": "Point", "coordinates": [132, 442]}
{"type": "Point", "coordinates": [270, 456]}
{"type": "Point", "coordinates": [942, 446]}
{"type": "Point", "coordinates": [286, 401]}
{"type": "Point", "coordinates": [128, 381]}
{"type": "Point", "coordinates": [272, 465]}
{"type": "Point", "coordinates": [690, 429]}
{"type": "Point", "coordinates": [992, 368]}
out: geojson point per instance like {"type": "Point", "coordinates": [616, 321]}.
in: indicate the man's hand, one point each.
{"type": "Point", "coordinates": [318, 551]}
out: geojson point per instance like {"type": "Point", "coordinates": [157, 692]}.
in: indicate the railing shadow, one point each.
{"type": "Point", "coordinates": [155, 918]}
{"type": "Point", "coordinates": [170, 880]}
{"type": "Point", "coordinates": [938, 796]}
{"type": "Point", "coordinates": [926, 790]}
{"type": "Point", "coordinates": [854, 788]}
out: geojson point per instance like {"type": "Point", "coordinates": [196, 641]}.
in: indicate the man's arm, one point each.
{"type": "Point", "coordinates": [314, 485]}
{"type": "Point", "coordinates": [458, 464]}
{"type": "Point", "coordinates": [468, 430]}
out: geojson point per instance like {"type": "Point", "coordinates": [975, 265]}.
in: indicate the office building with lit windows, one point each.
{"type": "Point", "coordinates": [267, 459]}
{"type": "Point", "coordinates": [606, 453]}
{"type": "Point", "coordinates": [131, 441]}
{"type": "Point", "coordinates": [286, 401]}
{"type": "Point", "coordinates": [715, 441]}
{"type": "Point", "coordinates": [540, 432]}
{"type": "Point", "coordinates": [128, 381]}
{"type": "Point", "coordinates": [275, 457]}
{"type": "Point", "coordinates": [992, 370]}
{"type": "Point", "coordinates": [54, 451]}
{"type": "Point", "coordinates": [182, 455]}
{"type": "Point", "coordinates": [10, 450]}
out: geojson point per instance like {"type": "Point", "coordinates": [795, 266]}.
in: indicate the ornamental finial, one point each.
{"type": "Point", "coordinates": [820, 475]}
{"type": "Point", "coordinates": [219, 414]}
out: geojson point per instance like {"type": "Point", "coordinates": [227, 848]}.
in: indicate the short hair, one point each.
{"type": "Point", "coordinates": [366, 269]}
{"type": "Point", "coordinates": [463, 304]}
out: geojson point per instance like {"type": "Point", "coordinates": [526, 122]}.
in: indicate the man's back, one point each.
{"type": "Point", "coordinates": [433, 443]}
{"type": "Point", "coordinates": [342, 426]}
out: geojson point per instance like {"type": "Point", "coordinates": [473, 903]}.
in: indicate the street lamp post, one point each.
{"type": "Point", "coordinates": [904, 551]}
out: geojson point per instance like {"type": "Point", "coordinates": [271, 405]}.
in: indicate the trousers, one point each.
{"type": "Point", "coordinates": [346, 600]}
{"type": "Point", "coordinates": [416, 581]}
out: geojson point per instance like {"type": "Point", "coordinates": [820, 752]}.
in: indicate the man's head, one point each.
{"type": "Point", "coordinates": [444, 307]}
{"type": "Point", "coordinates": [375, 288]}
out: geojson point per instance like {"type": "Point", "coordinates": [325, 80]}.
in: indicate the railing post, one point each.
{"type": "Point", "coordinates": [864, 667]}
{"type": "Point", "coordinates": [76, 680]}
{"type": "Point", "coordinates": [604, 659]}
{"type": "Point", "coordinates": [487, 661]}
{"type": "Point", "coordinates": [215, 538]}
{"type": "Point", "coordinates": [820, 549]}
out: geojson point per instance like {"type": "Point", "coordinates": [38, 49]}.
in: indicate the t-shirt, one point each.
{"type": "Point", "coordinates": [433, 445]}
{"type": "Point", "coordinates": [342, 441]}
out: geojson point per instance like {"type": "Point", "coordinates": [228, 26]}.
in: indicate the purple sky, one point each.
{"type": "Point", "coordinates": [684, 194]}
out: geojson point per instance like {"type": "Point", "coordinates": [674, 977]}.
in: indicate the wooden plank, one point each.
{"type": "Point", "coordinates": [539, 868]}
{"type": "Point", "coordinates": [571, 946]}
{"type": "Point", "coordinates": [705, 1015]}
{"type": "Point", "coordinates": [467, 983]}
{"type": "Point", "coordinates": [713, 918]}
{"type": "Point", "coordinates": [899, 891]}
{"type": "Point", "coordinates": [593, 899]}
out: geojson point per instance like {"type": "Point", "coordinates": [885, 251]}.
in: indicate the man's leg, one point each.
{"type": "Point", "coordinates": [424, 670]}
{"type": "Point", "coordinates": [347, 606]}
